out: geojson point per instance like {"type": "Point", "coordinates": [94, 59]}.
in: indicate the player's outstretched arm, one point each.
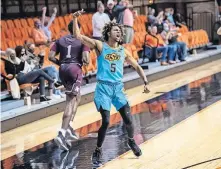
{"type": "Point", "coordinates": [138, 68]}
{"type": "Point", "coordinates": [52, 57]}
{"type": "Point", "coordinates": [91, 43]}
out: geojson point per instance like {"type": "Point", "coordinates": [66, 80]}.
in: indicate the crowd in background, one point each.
{"type": "Point", "coordinates": [164, 26]}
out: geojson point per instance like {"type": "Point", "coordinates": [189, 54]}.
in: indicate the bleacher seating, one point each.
{"type": "Point", "coordinates": [16, 32]}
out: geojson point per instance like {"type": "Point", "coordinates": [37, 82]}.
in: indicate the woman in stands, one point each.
{"type": "Point", "coordinates": [24, 73]}
{"type": "Point", "coordinates": [36, 62]}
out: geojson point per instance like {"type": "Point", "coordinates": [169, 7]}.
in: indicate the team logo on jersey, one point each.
{"type": "Point", "coordinates": [112, 57]}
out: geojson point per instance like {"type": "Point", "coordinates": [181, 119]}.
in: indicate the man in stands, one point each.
{"type": "Point", "coordinates": [47, 23]}
{"type": "Point", "coordinates": [99, 19]}
{"type": "Point", "coordinates": [72, 56]}
{"type": "Point", "coordinates": [109, 9]}
{"type": "Point", "coordinates": [170, 37]}
{"type": "Point", "coordinates": [169, 50]}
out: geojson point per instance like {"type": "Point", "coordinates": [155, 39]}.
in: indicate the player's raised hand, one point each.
{"type": "Point", "coordinates": [78, 13]}
{"type": "Point", "coordinates": [146, 90]}
{"type": "Point", "coordinates": [44, 9]}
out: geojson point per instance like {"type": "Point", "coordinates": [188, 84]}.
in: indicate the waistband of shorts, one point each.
{"type": "Point", "coordinates": [109, 83]}
{"type": "Point", "coordinates": [68, 63]}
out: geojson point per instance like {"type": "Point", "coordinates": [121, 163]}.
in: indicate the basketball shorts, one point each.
{"type": "Point", "coordinates": [107, 93]}
{"type": "Point", "coordinates": [71, 77]}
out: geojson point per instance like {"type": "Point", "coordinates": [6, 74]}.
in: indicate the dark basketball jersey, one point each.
{"type": "Point", "coordinates": [70, 50]}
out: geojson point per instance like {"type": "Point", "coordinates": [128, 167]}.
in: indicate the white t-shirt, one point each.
{"type": "Point", "coordinates": [98, 22]}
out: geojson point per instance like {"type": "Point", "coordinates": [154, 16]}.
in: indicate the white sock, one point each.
{"type": "Point", "coordinates": [63, 132]}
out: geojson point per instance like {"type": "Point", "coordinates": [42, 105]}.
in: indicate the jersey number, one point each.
{"type": "Point", "coordinates": [69, 52]}
{"type": "Point", "coordinates": [113, 67]}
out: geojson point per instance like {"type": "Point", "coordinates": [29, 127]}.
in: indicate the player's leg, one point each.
{"type": "Point", "coordinates": [105, 114]}
{"type": "Point", "coordinates": [120, 101]}
{"type": "Point", "coordinates": [71, 135]}
{"type": "Point", "coordinates": [60, 139]}
{"type": "Point", "coordinates": [127, 118]}
{"type": "Point", "coordinates": [71, 77]}
{"type": "Point", "coordinates": [102, 101]}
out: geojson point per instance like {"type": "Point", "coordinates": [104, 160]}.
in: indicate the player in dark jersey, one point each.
{"type": "Point", "coordinates": [73, 54]}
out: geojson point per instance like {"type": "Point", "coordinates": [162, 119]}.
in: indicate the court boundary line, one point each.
{"type": "Point", "coordinates": [155, 137]}
{"type": "Point", "coordinates": [219, 158]}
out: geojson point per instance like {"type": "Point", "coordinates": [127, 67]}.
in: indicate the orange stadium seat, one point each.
{"type": "Point", "coordinates": [9, 34]}
{"type": "Point", "coordinates": [67, 19]}
{"type": "Point", "coordinates": [134, 52]}
{"type": "Point", "coordinates": [4, 46]}
{"type": "Point", "coordinates": [19, 42]}
{"type": "Point", "coordinates": [61, 22]}
{"type": "Point", "coordinates": [4, 25]}
{"type": "Point", "coordinates": [17, 23]}
{"type": "Point", "coordinates": [11, 43]}
{"type": "Point", "coordinates": [24, 23]}
{"type": "Point", "coordinates": [10, 24]}
{"type": "Point", "coordinates": [17, 33]}
{"type": "Point", "coordinates": [30, 22]}
{"type": "Point", "coordinates": [24, 33]}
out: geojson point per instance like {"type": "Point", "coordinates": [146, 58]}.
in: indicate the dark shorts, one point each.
{"type": "Point", "coordinates": [71, 77]}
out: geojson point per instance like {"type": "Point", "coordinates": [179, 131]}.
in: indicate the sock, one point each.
{"type": "Point", "coordinates": [130, 139]}
{"type": "Point", "coordinates": [63, 132]}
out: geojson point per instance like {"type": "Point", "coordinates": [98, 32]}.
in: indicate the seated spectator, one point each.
{"type": "Point", "coordinates": [109, 9]}
{"type": "Point", "coordinates": [47, 23]}
{"type": "Point", "coordinates": [179, 20]}
{"type": "Point", "coordinates": [170, 37]}
{"type": "Point", "coordinates": [38, 34]}
{"type": "Point", "coordinates": [24, 74]}
{"type": "Point", "coordinates": [169, 14]}
{"type": "Point", "coordinates": [99, 19]}
{"type": "Point", "coordinates": [160, 46]}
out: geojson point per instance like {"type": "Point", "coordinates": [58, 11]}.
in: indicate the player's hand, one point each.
{"type": "Point", "coordinates": [55, 10]}
{"type": "Point", "coordinates": [146, 90]}
{"type": "Point", "coordinates": [44, 9]}
{"type": "Point", "coordinates": [78, 13]}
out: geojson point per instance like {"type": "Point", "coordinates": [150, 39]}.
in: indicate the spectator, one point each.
{"type": "Point", "coordinates": [109, 9]}
{"type": "Point", "coordinates": [99, 19]}
{"type": "Point", "coordinates": [38, 34]}
{"type": "Point", "coordinates": [153, 43]}
{"type": "Point", "coordinates": [46, 24]}
{"type": "Point", "coordinates": [170, 37]}
{"type": "Point", "coordinates": [128, 21]}
{"type": "Point", "coordinates": [151, 16]}
{"type": "Point", "coordinates": [179, 20]}
{"type": "Point", "coordinates": [119, 11]}
{"type": "Point", "coordinates": [169, 13]}
{"type": "Point", "coordinates": [25, 75]}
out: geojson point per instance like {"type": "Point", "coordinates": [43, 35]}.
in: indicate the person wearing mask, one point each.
{"type": "Point", "coordinates": [38, 33]}
{"type": "Point", "coordinates": [170, 37]}
{"type": "Point", "coordinates": [47, 23]}
{"type": "Point", "coordinates": [169, 14]}
{"type": "Point", "coordinates": [99, 19]}
{"type": "Point", "coordinates": [109, 9]}
{"type": "Point", "coordinates": [166, 50]}
{"type": "Point", "coordinates": [24, 74]}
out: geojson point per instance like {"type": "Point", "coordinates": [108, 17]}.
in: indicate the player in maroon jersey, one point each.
{"type": "Point", "coordinates": [73, 54]}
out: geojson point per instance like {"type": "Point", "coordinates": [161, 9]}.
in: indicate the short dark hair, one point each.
{"type": "Point", "coordinates": [70, 27]}
{"type": "Point", "coordinates": [107, 28]}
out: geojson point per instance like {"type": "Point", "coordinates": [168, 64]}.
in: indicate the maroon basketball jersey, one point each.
{"type": "Point", "coordinates": [70, 50]}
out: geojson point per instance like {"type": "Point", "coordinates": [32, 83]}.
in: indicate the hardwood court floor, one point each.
{"type": "Point", "coordinates": [41, 131]}
{"type": "Point", "coordinates": [191, 141]}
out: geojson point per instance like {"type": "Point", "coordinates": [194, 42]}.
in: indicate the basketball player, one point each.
{"type": "Point", "coordinates": [110, 88]}
{"type": "Point", "coordinates": [72, 55]}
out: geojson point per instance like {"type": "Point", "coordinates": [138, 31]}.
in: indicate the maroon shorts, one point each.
{"type": "Point", "coordinates": [71, 77]}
